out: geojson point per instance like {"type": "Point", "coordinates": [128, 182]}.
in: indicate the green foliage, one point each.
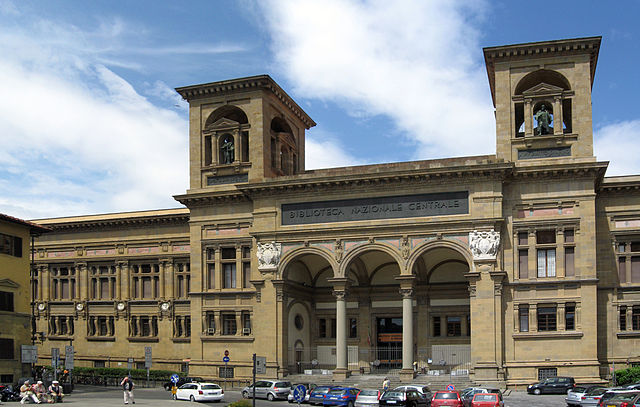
{"type": "Point", "coordinates": [628, 376]}
{"type": "Point", "coordinates": [240, 403]}
{"type": "Point", "coordinates": [136, 374]}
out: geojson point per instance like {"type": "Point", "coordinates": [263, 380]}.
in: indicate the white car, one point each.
{"type": "Point", "coordinates": [199, 392]}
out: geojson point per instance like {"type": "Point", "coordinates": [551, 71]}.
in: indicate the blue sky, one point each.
{"type": "Point", "coordinates": [89, 121]}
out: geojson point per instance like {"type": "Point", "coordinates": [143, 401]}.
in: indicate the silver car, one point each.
{"type": "Point", "coordinates": [268, 389]}
{"type": "Point", "coordinates": [368, 398]}
{"type": "Point", "coordinates": [592, 397]}
{"type": "Point", "coordinates": [574, 396]}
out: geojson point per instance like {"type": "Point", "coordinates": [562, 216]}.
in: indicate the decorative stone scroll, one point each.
{"type": "Point", "coordinates": [484, 244]}
{"type": "Point", "coordinates": [269, 256]}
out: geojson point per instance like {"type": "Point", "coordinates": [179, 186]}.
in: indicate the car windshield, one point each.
{"type": "Point", "coordinates": [337, 391]}
{"type": "Point", "coordinates": [369, 393]}
{"type": "Point", "coordinates": [210, 387]}
{"type": "Point", "coordinates": [596, 391]}
{"type": "Point", "coordinates": [623, 396]}
{"type": "Point", "coordinates": [283, 384]}
{"type": "Point", "coordinates": [579, 389]}
{"type": "Point", "coordinates": [446, 396]}
{"type": "Point", "coordinates": [392, 395]}
{"type": "Point", "coordinates": [485, 397]}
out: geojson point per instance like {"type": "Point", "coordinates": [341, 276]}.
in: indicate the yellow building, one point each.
{"type": "Point", "coordinates": [15, 295]}
{"type": "Point", "coordinates": [501, 268]}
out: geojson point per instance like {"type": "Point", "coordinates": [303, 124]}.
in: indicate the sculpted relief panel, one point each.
{"type": "Point", "coordinates": [484, 244]}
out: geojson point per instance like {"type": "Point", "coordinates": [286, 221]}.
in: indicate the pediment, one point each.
{"type": "Point", "coordinates": [7, 283]}
{"type": "Point", "coordinates": [223, 124]}
{"type": "Point", "coordinates": [543, 89]}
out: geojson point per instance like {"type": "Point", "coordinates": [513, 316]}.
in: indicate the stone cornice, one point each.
{"type": "Point", "coordinates": [209, 198]}
{"type": "Point", "coordinates": [587, 170]}
{"type": "Point", "coordinates": [124, 221]}
{"type": "Point", "coordinates": [588, 45]}
{"type": "Point", "coordinates": [620, 184]}
{"type": "Point", "coordinates": [251, 83]}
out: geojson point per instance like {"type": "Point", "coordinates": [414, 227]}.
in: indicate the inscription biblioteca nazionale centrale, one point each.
{"type": "Point", "coordinates": [448, 203]}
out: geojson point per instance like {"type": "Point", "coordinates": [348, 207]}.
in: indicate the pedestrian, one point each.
{"type": "Point", "coordinates": [55, 392]}
{"type": "Point", "coordinates": [41, 391]}
{"type": "Point", "coordinates": [385, 384]}
{"type": "Point", "coordinates": [127, 387]}
{"type": "Point", "coordinates": [26, 392]}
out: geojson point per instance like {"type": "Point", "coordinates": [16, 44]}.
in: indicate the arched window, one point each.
{"type": "Point", "coordinates": [226, 136]}
{"type": "Point", "coordinates": [283, 148]}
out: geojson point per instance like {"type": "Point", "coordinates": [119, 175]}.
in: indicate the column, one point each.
{"type": "Point", "coordinates": [533, 317]}
{"type": "Point", "coordinates": [218, 323]}
{"type": "Point", "coordinates": [341, 330]}
{"type": "Point", "coordinates": [237, 144]}
{"type": "Point", "coordinates": [560, 317]}
{"type": "Point", "coordinates": [118, 281]}
{"type": "Point", "coordinates": [528, 118]}
{"type": "Point", "coordinates": [162, 281]}
{"type": "Point", "coordinates": [238, 323]}
{"type": "Point", "coordinates": [407, 331]}
{"type": "Point", "coordinates": [557, 116]}
{"type": "Point", "coordinates": [629, 317]}
{"type": "Point", "coordinates": [214, 149]}
{"type": "Point", "coordinates": [560, 271]}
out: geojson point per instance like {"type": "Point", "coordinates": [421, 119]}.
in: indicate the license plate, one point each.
{"type": "Point", "coordinates": [391, 402]}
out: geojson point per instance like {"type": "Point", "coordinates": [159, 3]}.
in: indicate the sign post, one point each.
{"type": "Point", "coordinates": [226, 359]}
{"type": "Point", "coordinates": [68, 362]}
{"type": "Point", "coordinates": [147, 361]}
{"type": "Point", "coordinates": [254, 381]}
{"type": "Point", "coordinates": [130, 365]}
{"type": "Point", "coordinates": [55, 361]}
{"type": "Point", "coordinates": [174, 379]}
{"type": "Point", "coordinates": [299, 393]}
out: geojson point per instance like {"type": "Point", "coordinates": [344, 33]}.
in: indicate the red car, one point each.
{"type": "Point", "coordinates": [487, 400]}
{"type": "Point", "coordinates": [446, 399]}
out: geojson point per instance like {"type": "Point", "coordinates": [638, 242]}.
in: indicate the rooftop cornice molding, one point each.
{"type": "Point", "coordinates": [210, 197]}
{"type": "Point", "coordinates": [620, 184]}
{"type": "Point", "coordinates": [542, 49]}
{"type": "Point", "coordinates": [34, 228]}
{"type": "Point", "coordinates": [593, 169]}
{"type": "Point", "coordinates": [264, 82]}
{"type": "Point", "coordinates": [151, 220]}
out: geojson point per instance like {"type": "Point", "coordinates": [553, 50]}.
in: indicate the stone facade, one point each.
{"type": "Point", "coordinates": [503, 267]}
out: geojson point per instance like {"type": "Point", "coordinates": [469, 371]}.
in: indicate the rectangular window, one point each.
{"type": "Point", "coordinates": [322, 328]}
{"type": "Point", "coordinates": [622, 269]}
{"type": "Point", "coordinates": [545, 236]}
{"type": "Point", "coordinates": [333, 327]}
{"type": "Point", "coordinates": [140, 366]}
{"type": "Point", "coordinates": [353, 328]}
{"type": "Point", "coordinates": [225, 372]}
{"type": "Point", "coordinates": [547, 318]}
{"type": "Point", "coordinates": [146, 287]}
{"type": "Point", "coordinates": [246, 323]}
{"type": "Point", "coordinates": [228, 253]}
{"type": "Point", "coordinates": [546, 262]}
{"type": "Point", "coordinates": [523, 238]}
{"type": "Point", "coordinates": [211, 323]}
{"type": "Point", "coordinates": [523, 316]}
{"type": "Point", "coordinates": [99, 363]}
{"type": "Point", "coordinates": [211, 275]}
{"type": "Point", "coordinates": [569, 269]}
{"type": "Point", "coordinates": [145, 326]}
{"type": "Point", "coordinates": [523, 263]}
{"type": "Point", "coordinates": [104, 288]}
{"type": "Point", "coordinates": [569, 236]}
{"type": "Point", "coordinates": [545, 373]}
{"type": "Point", "coordinates": [635, 246]}
{"type": "Point", "coordinates": [623, 318]}
{"type": "Point", "coordinates": [246, 275]}
{"type": "Point", "coordinates": [6, 378]}
{"type": "Point", "coordinates": [635, 318]}
{"type": "Point", "coordinates": [454, 326]}
{"type": "Point", "coordinates": [570, 317]}
{"type": "Point", "coordinates": [622, 248]}
{"type": "Point", "coordinates": [11, 245]}
{"type": "Point", "coordinates": [187, 326]}
{"type": "Point", "coordinates": [635, 269]}
{"type": "Point", "coordinates": [436, 326]}
{"type": "Point", "coordinates": [102, 326]}
{"type": "Point", "coordinates": [229, 270]}
{"type": "Point", "coordinates": [64, 289]}
{"type": "Point", "coordinates": [229, 326]}
{"type": "Point", "coordinates": [6, 348]}
{"type": "Point", "coordinates": [6, 301]}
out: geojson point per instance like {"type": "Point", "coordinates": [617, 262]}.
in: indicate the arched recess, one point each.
{"type": "Point", "coordinates": [299, 325]}
{"type": "Point", "coordinates": [458, 251]}
{"type": "Point", "coordinates": [372, 256]}
{"type": "Point", "coordinates": [226, 136]}
{"type": "Point", "coordinates": [313, 259]}
{"type": "Point", "coordinates": [229, 112]}
{"type": "Point", "coordinates": [284, 150]}
{"type": "Point", "coordinates": [542, 76]}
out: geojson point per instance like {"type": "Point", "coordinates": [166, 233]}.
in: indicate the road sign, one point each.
{"type": "Point", "coordinates": [55, 357]}
{"type": "Point", "coordinates": [130, 363]}
{"type": "Point", "coordinates": [226, 359]}
{"type": "Point", "coordinates": [29, 353]}
{"type": "Point", "coordinates": [147, 357]}
{"type": "Point", "coordinates": [299, 392]}
{"type": "Point", "coordinates": [68, 357]}
{"type": "Point", "coordinates": [261, 365]}
{"type": "Point", "coordinates": [226, 353]}
{"type": "Point", "coordinates": [451, 387]}
{"type": "Point", "coordinates": [174, 378]}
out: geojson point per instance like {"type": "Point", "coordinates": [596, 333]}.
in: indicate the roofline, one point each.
{"type": "Point", "coordinates": [540, 48]}
{"type": "Point", "coordinates": [34, 228]}
{"type": "Point", "coordinates": [248, 83]}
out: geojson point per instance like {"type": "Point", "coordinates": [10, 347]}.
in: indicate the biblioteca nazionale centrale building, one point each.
{"type": "Point", "coordinates": [503, 267]}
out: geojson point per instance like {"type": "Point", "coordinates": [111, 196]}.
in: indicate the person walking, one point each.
{"type": "Point", "coordinates": [127, 387]}
{"type": "Point", "coordinates": [385, 384]}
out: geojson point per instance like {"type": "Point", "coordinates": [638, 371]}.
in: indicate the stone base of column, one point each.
{"type": "Point", "coordinates": [407, 375]}
{"type": "Point", "coordinates": [341, 374]}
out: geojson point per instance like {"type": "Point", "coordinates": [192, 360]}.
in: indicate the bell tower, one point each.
{"type": "Point", "coordinates": [542, 97]}
{"type": "Point", "coordinates": [243, 130]}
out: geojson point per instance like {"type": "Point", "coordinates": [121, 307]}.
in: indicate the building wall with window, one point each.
{"type": "Point", "coordinates": [15, 294]}
{"type": "Point", "coordinates": [505, 267]}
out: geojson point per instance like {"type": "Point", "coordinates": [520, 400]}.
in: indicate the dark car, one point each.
{"type": "Point", "coordinates": [181, 381]}
{"type": "Point", "coordinates": [341, 396]}
{"type": "Point", "coordinates": [552, 385]}
{"type": "Point", "coordinates": [622, 399]}
{"type": "Point", "coordinates": [408, 398]}
{"type": "Point", "coordinates": [317, 395]}
{"type": "Point", "coordinates": [611, 394]}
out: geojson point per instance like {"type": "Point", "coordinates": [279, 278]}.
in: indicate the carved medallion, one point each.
{"type": "Point", "coordinates": [484, 244]}
{"type": "Point", "coordinates": [269, 255]}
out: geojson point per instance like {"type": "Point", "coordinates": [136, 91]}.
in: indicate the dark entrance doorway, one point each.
{"type": "Point", "coordinates": [389, 342]}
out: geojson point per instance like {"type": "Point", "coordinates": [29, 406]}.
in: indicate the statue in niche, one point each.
{"type": "Point", "coordinates": [544, 121]}
{"type": "Point", "coordinates": [228, 151]}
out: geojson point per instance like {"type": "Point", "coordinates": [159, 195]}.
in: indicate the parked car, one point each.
{"type": "Point", "coordinates": [182, 380]}
{"type": "Point", "coordinates": [404, 397]}
{"type": "Point", "coordinates": [575, 395]}
{"type": "Point", "coordinates": [308, 386]}
{"type": "Point", "coordinates": [317, 395]}
{"type": "Point", "coordinates": [424, 391]}
{"type": "Point", "coordinates": [341, 396]}
{"type": "Point", "coordinates": [614, 392]}
{"type": "Point", "coordinates": [268, 389]}
{"type": "Point", "coordinates": [487, 400]}
{"type": "Point", "coordinates": [622, 399]}
{"type": "Point", "coordinates": [447, 399]}
{"type": "Point", "coordinates": [368, 398]}
{"type": "Point", "coordinates": [552, 385]}
{"type": "Point", "coordinates": [592, 396]}
{"type": "Point", "coordinates": [468, 393]}
{"type": "Point", "coordinates": [199, 392]}
{"type": "Point", "coordinates": [635, 386]}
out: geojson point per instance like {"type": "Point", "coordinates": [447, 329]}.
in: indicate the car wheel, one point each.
{"type": "Point", "coordinates": [270, 397]}
{"type": "Point", "coordinates": [192, 399]}
{"type": "Point", "coordinates": [537, 392]}
{"type": "Point", "coordinates": [245, 394]}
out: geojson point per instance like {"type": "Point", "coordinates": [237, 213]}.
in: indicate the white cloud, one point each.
{"type": "Point", "coordinates": [326, 151]}
{"type": "Point", "coordinates": [618, 144]}
{"type": "Point", "coordinates": [418, 62]}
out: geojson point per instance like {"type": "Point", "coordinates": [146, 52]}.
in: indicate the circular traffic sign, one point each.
{"type": "Point", "coordinates": [299, 393]}
{"type": "Point", "coordinates": [226, 353]}
{"type": "Point", "coordinates": [226, 359]}
{"type": "Point", "coordinates": [174, 378]}
{"type": "Point", "coordinates": [451, 387]}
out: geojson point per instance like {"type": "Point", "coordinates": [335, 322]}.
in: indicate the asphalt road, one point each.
{"type": "Point", "coordinates": [94, 396]}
